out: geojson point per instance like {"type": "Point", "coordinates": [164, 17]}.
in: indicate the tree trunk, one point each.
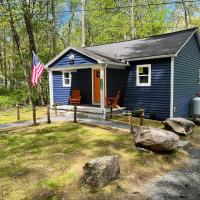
{"type": "Point", "coordinates": [185, 14]}
{"type": "Point", "coordinates": [5, 60]}
{"type": "Point", "coordinates": [133, 28]}
{"type": "Point", "coordinates": [16, 39]}
{"type": "Point", "coordinates": [83, 22]}
{"type": "Point", "coordinates": [29, 28]}
{"type": "Point", "coordinates": [32, 45]}
{"type": "Point", "coordinates": [70, 27]}
{"type": "Point", "coordinates": [54, 28]}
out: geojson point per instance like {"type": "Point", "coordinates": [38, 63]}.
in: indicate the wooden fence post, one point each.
{"type": "Point", "coordinates": [141, 117]}
{"type": "Point", "coordinates": [48, 115]}
{"type": "Point", "coordinates": [75, 113]}
{"type": "Point", "coordinates": [34, 116]}
{"type": "Point", "coordinates": [55, 109]}
{"type": "Point", "coordinates": [111, 110]}
{"type": "Point", "coordinates": [18, 112]}
{"type": "Point", "coordinates": [130, 119]}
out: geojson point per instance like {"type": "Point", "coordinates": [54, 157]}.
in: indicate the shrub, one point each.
{"type": "Point", "coordinates": [9, 98]}
{"type": "Point", "coordinates": [152, 115]}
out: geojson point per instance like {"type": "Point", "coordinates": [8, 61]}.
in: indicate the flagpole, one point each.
{"type": "Point", "coordinates": [38, 82]}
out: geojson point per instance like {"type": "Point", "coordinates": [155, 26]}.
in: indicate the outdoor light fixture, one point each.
{"type": "Point", "coordinates": [71, 59]}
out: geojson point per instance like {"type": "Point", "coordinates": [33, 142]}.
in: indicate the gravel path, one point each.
{"type": "Point", "coordinates": [182, 183]}
{"type": "Point", "coordinates": [67, 117]}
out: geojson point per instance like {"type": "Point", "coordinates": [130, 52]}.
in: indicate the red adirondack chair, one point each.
{"type": "Point", "coordinates": [113, 101]}
{"type": "Point", "coordinates": [75, 98]}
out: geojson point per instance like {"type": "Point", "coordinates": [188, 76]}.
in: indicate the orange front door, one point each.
{"type": "Point", "coordinates": [96, 75]}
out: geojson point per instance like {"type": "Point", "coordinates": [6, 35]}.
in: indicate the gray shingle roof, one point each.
{"type": "Point", "coordinates": [165, 45]}
{"type": "Point", "coordinates": [161, 45]}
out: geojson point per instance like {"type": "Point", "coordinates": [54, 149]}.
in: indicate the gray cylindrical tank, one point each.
{"type": "Point", "coordinates": [196, 106]}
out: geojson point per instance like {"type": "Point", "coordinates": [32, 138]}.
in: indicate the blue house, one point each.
{"type": "Point", "coordinates": [160, 73]}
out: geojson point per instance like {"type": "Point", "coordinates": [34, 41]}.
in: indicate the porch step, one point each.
{"type": "Point", "coordinates": [81, 113]}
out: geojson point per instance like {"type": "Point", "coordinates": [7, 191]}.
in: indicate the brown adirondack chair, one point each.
{"type": "Point", "coordinates": [75, 98]}
{"type": "Point", "coordinates": [113, 101]}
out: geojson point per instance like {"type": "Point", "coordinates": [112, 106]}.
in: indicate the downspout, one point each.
{"type": "Point", "coordinates": [51, 87]}
{"type": "Point", "coordinates": [172, 89]}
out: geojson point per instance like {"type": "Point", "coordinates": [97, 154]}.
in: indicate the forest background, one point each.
{"type": "Point", "coordinates": [48, 26]}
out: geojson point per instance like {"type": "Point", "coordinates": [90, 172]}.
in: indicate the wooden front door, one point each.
{"type": "Point", "coordinates": [96, 77]}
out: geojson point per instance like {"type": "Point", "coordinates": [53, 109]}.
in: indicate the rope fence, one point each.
{"type": "Point", "coordinates": [19, 114]}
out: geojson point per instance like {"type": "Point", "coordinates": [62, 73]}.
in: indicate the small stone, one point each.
{"type": "Point", "coordinates": [143, 150]}
{"type": "Point", "coordinates": [101, 171]}
{"type": "Point", "coordinates": [183, 144]}
{"type": "Point", "coordinates": [197, 121]}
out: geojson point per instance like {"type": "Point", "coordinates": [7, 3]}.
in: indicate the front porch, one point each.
{"type": "Point", "coordinates": [95, 76]}
{"type": "Point", "coordinates": [94, 82]}
{"type": "Point", "coordinates": [90, 109]}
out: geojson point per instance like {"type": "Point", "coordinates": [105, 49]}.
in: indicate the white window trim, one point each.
{"type": "Point", "coordinates": [149, 76]}
{"type": "Point", "coordinates": [63, 78]}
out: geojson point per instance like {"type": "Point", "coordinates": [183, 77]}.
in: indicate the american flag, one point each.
{"type": "Point", "coordinates": [37, 70]}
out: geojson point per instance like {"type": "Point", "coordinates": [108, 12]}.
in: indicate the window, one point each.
{"type": "Point", "coordinates": [66, 79]}
{"type": "Point", "coordinates": [143, 75]}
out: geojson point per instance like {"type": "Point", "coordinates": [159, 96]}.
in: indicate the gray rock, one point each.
{"type": "Point", "coordinates": [179, 125]}
{"type": "Point", "coordinates": [156, 139]}
{"type": "Point", "coordinates": [183, 144]}
{"type": "Point", "coordinates": [101, 171]}
{"type": "Point", "coordinates": [197, 121]}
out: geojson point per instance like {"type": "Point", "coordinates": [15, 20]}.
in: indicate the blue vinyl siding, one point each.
{"type": "Point", "coordinates": [78, 60]}
{"type": "Point", "coordinates": [186, 77]}
{"type": "Point", "coordinates": [80, 80]}
{"type": "Point", "coordinates": [117, 80]}
{"type": "Point", "coordinates": [154, 98]}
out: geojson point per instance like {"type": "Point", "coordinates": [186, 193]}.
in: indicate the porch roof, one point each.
{"type": "Point", "coordinates": [95, 56]}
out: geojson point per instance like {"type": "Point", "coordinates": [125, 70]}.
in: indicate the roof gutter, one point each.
{"type": "Point", "coordinates": [151, 57]}
{"type": "Point", "coordinates": [113, 63]}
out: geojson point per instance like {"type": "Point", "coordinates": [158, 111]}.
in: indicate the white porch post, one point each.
{"type": "Point", "coordinates": [51, 87]}
{"type": "Point", "coordinates": [102, 90]}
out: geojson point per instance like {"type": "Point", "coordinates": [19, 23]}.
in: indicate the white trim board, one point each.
{"type": "Point", "coordinates": [74, 67]}
{"type": "Point", "coordinates": [172, 88]}
{"type": "Point", "coordinates": [51, 88]}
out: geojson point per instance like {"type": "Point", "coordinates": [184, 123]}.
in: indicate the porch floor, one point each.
{"type": "Point", "coordinates": [87, 108]}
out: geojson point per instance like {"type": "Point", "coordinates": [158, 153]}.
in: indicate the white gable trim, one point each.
{"type": "Point", "coordinates": [65, 51]}
{"type": "Point", "coordinates": [186, 42]}
{"type": "Point", "coordinates": [172, 88]}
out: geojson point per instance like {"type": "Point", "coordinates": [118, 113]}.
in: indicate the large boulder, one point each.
{"type": "Point", "coordinates": [101, 171]}
{"type": "Point", "coordinates": [156, 139]}
{"type": "Point", "coordinates": [179, 125]}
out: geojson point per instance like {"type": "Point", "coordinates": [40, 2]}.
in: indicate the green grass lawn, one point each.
{"type": "Point", "coordinates": [136, 121]}
{"type": "Point", "coordinates": [25, 114]}
{"type": "Point", "coordinates": [45, 162]}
